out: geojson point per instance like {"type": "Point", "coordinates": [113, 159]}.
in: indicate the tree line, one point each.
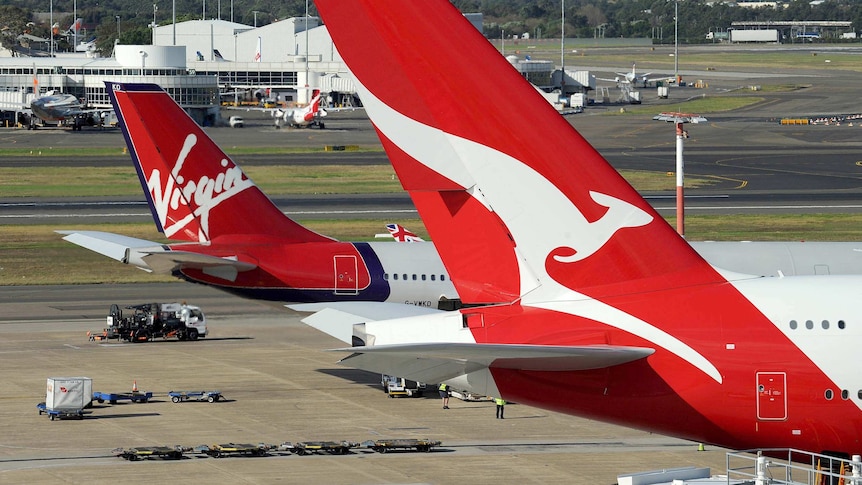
{"type": "Point", "coordinates": [539, 18]}
{"type": "Point", "coordinates": [652, 19]}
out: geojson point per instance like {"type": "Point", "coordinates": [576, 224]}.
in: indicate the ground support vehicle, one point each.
{"type": "Point", "coordinates": [313, 447]}
{"type": "Point", "coordinates": [149, 321]}
{"type": "Point", "coordinates": [113, 398]}
{"type": "Point", "coordinates": [468, 396]}
{"type": "Point", "coordinates": [234, 449]}
{"type": "Point", "coordinates": [399, 386]}
{"type": "Point", "coordinates": [144, 452]}
{"type": "Point", "coordinates": [209, 396]}
{"type": "Point", "coordinates": [382, 446]}
{"type": "Point", "coordinates": [60, 413]}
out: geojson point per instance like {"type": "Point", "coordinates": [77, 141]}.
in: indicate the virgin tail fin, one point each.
{"type": "Point", "coordinates": [195, 191]}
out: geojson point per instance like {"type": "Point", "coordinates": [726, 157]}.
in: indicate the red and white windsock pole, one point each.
{"type": "Point", "coordinates": [679, 119]}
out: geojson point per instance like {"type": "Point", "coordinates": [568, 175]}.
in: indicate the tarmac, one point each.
{"type": "Point", "coordinates": [281, 384]}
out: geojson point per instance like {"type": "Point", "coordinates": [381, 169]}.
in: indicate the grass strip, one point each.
{"type": "Point", "coordinates": [55, 182]}
{"type": "Point", "coordinates": [36, 255]}
{"type": "Point", "coordinates": [702, 105]}
{"type": "Point", "coordinates": [119, 150]}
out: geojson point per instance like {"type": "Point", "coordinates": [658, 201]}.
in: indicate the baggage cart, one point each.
{"type": "Point", "coordinates": [67, 413]}
{"type": "Point", "coordinates": [234, 449]}
{"type": "Point", "coordinates": [113, 398]}
{"type": "Point", "coordinates": [317, 447]}
{"type": "Point", "coordinates": [209, 396]}
{"type": "Point", "coordinates": [144, 452]}
{"type": "Point", "coordinates": [384, 445]}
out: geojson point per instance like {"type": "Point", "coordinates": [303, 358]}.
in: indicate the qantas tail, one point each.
{"type": "Point", "coordinates": [523, 205]}
{"type": "Point", "coordinates": [313, 106]}
{"type": "Point", "coordinates": [195, 191]}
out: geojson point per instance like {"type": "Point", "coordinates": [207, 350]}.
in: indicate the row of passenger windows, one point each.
{"type": "Point", "coordinates": [253, 78]}
{"type": "Point", "coordinates": [415, 277]}
{"type": "Point", "coordinates": [809, 324]}
{"type": "Point", "coordinates": [845, 394]}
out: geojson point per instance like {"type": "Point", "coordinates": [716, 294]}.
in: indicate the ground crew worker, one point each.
{"type": "Point", "coordinates": [501, 403]}
{"type": "Point", "coordinates": [185, 313]}
{"type": "Point", "coordinates": [444, 395]}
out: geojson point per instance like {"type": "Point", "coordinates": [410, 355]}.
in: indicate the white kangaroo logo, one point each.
{"type": "Point", "coordinates": [538, 214]}
{"type": "Point", "coordinates": [620, 215]}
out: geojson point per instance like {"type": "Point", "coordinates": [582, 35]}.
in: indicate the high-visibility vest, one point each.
{"type": "Point", "coordinates": [443, 387]}
{"type": "Point", "coordinates": [499, 401]}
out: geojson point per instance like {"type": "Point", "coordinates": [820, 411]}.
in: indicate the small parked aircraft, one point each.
{"type": "Point", "coordinates": [68, 109]}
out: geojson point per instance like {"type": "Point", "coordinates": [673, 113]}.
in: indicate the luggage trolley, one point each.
{"type": "Point", "coordinates": [209, 396]}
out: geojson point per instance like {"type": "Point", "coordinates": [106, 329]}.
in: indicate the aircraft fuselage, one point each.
{"type": "Point", "coordinates": [336, 271]}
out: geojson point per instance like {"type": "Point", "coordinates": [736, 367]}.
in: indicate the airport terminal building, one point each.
{"type": "Point", "coordinates": [195, 62]}
{"type": "Point", "coordinates": [23, 79]}
{"type": "Point", "coordinates": [203, 64]}
{"type": "Point", "coordinates": [279, 60]}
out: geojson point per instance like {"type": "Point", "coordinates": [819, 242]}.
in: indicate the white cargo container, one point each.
{"type": "Point", "coordinates": [578, 100]}
{"type": "Point", "coordinates": [662, 92]}
{"type": "Point", "coordinates": [759, 35]}
{"type": "Point", "coordinates": [68, 393]}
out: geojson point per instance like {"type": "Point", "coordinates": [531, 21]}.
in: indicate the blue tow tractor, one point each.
{"type": "Point", "coordinates": [209, 396]}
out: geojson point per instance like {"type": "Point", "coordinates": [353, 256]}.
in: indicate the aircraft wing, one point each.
{"type": "Point", "coordinates": [440, 362]}
{"type": "Point", "coordinates": [154, 256]}
{"type": "Point", "coordinates": [338, 318]}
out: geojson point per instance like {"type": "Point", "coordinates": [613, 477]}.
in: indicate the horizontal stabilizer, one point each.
{"type": "Point", "coordinates": [167, 261]}
{"type": "Point", "coordinates": [107, 244]}
{"type": "Point", "coordinates": [338, 318]}
{"type": "Point", "coordinates": [153, 256]}
{"type": "Point", "coordinates": [438, 362]}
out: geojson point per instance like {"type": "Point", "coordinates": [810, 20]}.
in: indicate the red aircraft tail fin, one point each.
{"type": "Point", "coordinates": [195, 191]}
{"type": "Point", "coordinates": [513, 203]}
{"type": "Point", "coordinates": [313, 106]}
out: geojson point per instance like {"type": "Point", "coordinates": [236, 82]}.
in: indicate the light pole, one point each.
{"type": "Point", "coordinates": [255, 18]}
{"type": "Point", "coordinates": [563, 48]}
{"type": "Point", "coordinates": [51, 28]}
{"type": "Point", "coordinates": [307, 92]}
{"type": "Point", "coordinates": [154, 24]}
{"type": "Point", "coordinates": [676, 41]}
{"type": "Point", "coordinates": [679, 119]}
{"type": "Point", "coordinates": [235, 74]}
